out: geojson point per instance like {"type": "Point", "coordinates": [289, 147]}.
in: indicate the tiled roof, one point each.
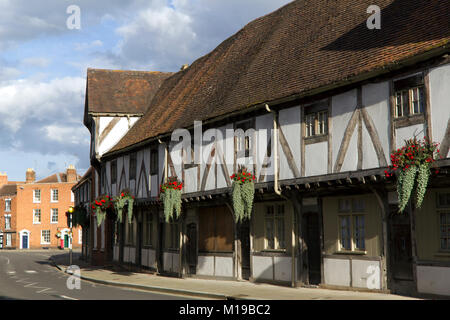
{"type": "Point", "coordinates": [56, 178]}
{"type": "Point", "coordinates": [115, 91]}
{"type": "Point", "coordinates": [8, 190]}
{"type": "Point", "coordinates": [85, 177]}
{"type": "Point", "coordinates": [294, 51]}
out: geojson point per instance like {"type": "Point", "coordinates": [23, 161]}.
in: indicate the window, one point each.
{"type": "Point", "coordinates": [36, 215]}
{"type": "Point", "coordinates": [7, 205]}
{"type": "Point", "coordinates": [54, 216]}
{"type": "Point", "coordinates": [409, 96]}
{"type": "Point", "coordinates": [154, 161]}
{"type": "Point", "coordinates": [192, 163]}
{"type": "Point", "coordinates": [133, 161]}
{"type": "Point", "coordinates": [148, 227]}
{"type": "Point", "coordinates": [113, 171]}
{"type": "Point", "coordinates": [174, 241]}
{"type": "Point", "coordinates": [54, 195]}
{"type": "Point", "coordinates": [316, 123]}
{"type": "Point", "coordinates": [45, 237]}
{"type": "Point", "coordinates": [37, 196]}
{"type": "Point", "coordinates": [244, 142]}
{"type": "Point", "coordinates": [445, 230]}
{"type": "Point", "coordinates": [7, 221]}
{"type": "Point", "coordinates": [351, 225]}
{"type": "Point", "coordinates": [274, 228]}
{"type": "Point", "coordinates": [444, 200]}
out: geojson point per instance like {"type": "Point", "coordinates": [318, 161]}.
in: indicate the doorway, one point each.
{"type": "Point", "coordinates": [160, 260]}
{"type": "Point", "coordinates": [25, 241]}
{"type": "Point", "coordinates": [400, 247]}
{"type": "Point", "coordinates": [313, 244]}
{"type": "Point", "coordinates": [244, 237]}
{"type": "Point", "coordinates": [191, 247]}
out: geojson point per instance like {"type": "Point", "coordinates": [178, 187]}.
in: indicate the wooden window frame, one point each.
{"type": "Point", "coordinates": [35, 199]}
{"type": "Point", "coordinates": [52, 198]}
{"type": "Point", "coordinates": [248, 141]}
{"type": "Point", "coordinates": [314, 111]}
{"type": "Point", "coordinates": [7, 219]}
{"type": "Point", "coordinates": [34, 216]}
{"type": "Point", "coordinates": [352, 213]}
{"type": "Point", "coordinates": [148, 230]}
{"type": "Point", "coordinates": [154, 164]}
{"type": "Point", "coordinates": [8, 207]}
{"type": "Point", "coordinates": [276, 217]}
{"type": "Point", "coordinates": [43, 237]}
{"type": "Point", "coordinates": [51, 215]}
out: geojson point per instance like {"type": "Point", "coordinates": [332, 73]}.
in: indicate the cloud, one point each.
{"type": "Point", "coordinates": [40, 62]}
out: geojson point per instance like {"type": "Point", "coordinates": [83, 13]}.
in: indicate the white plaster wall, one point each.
{"type": "Point", "coordinates": [119, 130]}
{"type": "Point", "coordinates": [263, 127]}
{"type": "Point", "coordinates": [343, 106]}
{"type": "Point", "coordinates": [351, 157]}
{"type": "Point", "coordinates": [224, 266]}
{"type": "Point", "coordinates": [151, 258]}
{"type": "Point", "coordinates": [167, 260]}
{"type": "Point", "coordinates": [191, 181]}
{"type": "Point", "coordinates": [337, 272]}
{"type": "Point", "coordinates": [316, 159]}
{"type": "Point", "coordinates": [176, 156]}
{"type": "Point", "coordinates": [434, 280]}
{"type": "Point", "coordinates": [262, 267]}
{"type": "Point", "coordinates": [407, 133]}
{"type": "Point", "coordinates": [440, 101]}
{"type": "Point", "coordinates": [375, 98]}
{"type": "Point", "coordinates": [370, 159]}
{"type": "Point", "coordinates": [154, 185]}
{"type": "Point", "coordinates": [211, 178]}
{"type": "Point", "coordinates": [289, 120]}
{"type": "Point", "coordinates": [144, 257]}
{"type": "Point", "coordinates": [205, 265]}
{"type": "Point", "coordinates": [221, 157]}
{"type": "Point", "coordinates": [283, 268]}
{"type": "Point", "coordinates": [126, 254]}
{"type": "Point", "coordinates": [362, 270]}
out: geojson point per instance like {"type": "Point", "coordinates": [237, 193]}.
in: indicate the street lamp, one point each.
{"type": "Point", "coordinates": [70, 238]}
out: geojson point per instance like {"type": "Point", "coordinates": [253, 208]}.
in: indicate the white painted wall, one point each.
{"type": "Point", "coordinates": [316, 159]}
{"type": "Point", "coordinates": [434, 280]}
{"type": "Point", "coordinates": [336, 272]}
{"type": "Point", "coordinates": [114, 136]}
{"type": "Point", "coordinates": [407, 133]}
{"type": "Point", "coordinates": [290, 124]}
{"type": "Point", "coordinates": [440, 101]}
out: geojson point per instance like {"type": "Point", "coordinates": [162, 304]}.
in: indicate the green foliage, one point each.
{"type": "Point", "coordinates": [423, 176]}
{"type": "Point", "coordinates": [413, 161]}
{"type": "Point", "coordinates": [80, 217]}
{"type": "Point", "coordinates": [243, 193]}
{"type": "Point", "coordinates": [123, 199]}
{"type": "Point", "coordinates": [407, 186]}
{"type": "Point", "coordinates": [170, 195]}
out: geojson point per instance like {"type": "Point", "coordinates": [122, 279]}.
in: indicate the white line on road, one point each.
{"type": "Point", "coordinates": [66, 297]}
{"type": "Point", "coordinates": [30, 271]}
{"type": "Point", "coordinates": [30, 284]}
{"type": "Point", "coordinates": [11, 272]}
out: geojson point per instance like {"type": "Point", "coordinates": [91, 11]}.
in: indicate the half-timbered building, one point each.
{"type": "Point", "coordinates": [323, 101]}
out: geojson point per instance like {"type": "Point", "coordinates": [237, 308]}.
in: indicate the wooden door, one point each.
{"type": "Point", "coordinates": [191, 247]}
{"type": "Point", "coordinates": [244, 237]}
{"type": "Point", "coordinates": [313, 245]}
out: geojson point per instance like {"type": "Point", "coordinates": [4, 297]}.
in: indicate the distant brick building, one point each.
{"type": "Point", "coordinates": [32, 213]}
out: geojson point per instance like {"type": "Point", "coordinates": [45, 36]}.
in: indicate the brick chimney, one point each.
{"type": "Point", "coordinates": [71, 174]}
{"type": "Point", "coordinates": [3, 178]}
{"type": "Point", "coordinates": [30, 176]}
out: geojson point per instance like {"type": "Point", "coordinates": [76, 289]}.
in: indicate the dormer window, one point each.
{"type": "Point", "coordinates": [409, 96]}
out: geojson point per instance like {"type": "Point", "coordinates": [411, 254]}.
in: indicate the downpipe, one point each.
{"type": "Point", "coordinates": [278, 191]}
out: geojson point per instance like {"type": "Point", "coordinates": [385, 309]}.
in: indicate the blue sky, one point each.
{"type": "Point", "coordinates": [43, 64]}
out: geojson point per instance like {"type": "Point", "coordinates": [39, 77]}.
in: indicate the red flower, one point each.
{"type": "Point", "coordinates": [103, 200]}
{"type": "Point", "coordinates": [121, 194]}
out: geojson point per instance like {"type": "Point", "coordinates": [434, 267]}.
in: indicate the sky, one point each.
{"type": "Point", "coordinates": [43, 64]}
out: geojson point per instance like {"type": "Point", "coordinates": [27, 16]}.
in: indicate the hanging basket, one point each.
{"type": "Point", "coordinates": [122, 200]}
{"type": "Point", "coordinates": [80, 217]}
{"type": "Point", "coordinates": [170, 195]}
{"type": "Point", "coordinates": [99, 207]}
{"type": "Point", "coordinates": [412, 163]}
{"type": "Point", "coordinates": [243, 193]}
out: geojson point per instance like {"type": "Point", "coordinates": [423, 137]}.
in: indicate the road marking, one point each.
{"type": "Point", "coordinates": [30, 284]}
{"type": "Point", "coordinates": [11, 272]}
{"type": "Point", "coordinates": [45, 289]}
{"type": "Point", "coordinates": [6, 259]}
{"type": "Point", "coordinates": [69, 298]}
{"type": "Point", "coordinates": [30, 271]}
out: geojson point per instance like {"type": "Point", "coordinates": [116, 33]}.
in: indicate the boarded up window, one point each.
{"type": "Point", "coordinates": [215, 230]}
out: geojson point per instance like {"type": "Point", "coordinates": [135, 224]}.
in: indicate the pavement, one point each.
{"type": "Point", "coordinates": [210, 289]}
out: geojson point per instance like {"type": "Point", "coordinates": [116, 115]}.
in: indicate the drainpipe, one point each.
{"type": "Point", "coordinates": [165, 160]}
{"type": "Point", "coordinates": [278, 191]}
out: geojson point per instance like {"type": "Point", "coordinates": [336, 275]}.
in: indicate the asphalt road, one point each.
{"type": "Point", "coordinates": [29, 275]}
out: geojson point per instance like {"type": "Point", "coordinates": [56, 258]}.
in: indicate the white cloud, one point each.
{"type": "Point", "coordinates": [25, 99]}
{"type": "Point", "coordinates": [40, 62]}
{"type": "Point", "coordinates": [88, 45]}
{"type": "Point", "coordinates": [76, 135]}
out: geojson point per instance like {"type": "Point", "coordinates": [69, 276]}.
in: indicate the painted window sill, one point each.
{"type": "Point", "coordinates": [359, 253]}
